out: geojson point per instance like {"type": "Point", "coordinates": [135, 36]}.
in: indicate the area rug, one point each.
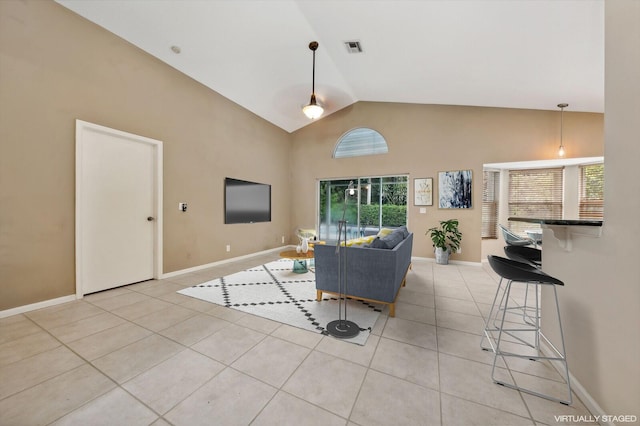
{"type": "Point", "coordinates": [275, 292]}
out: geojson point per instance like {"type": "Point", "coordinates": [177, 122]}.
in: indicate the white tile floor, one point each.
{"type": "Point", "coordinates": [143, 354]}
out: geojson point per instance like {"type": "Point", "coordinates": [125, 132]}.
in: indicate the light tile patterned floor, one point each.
{"type": "Point", "coordinates": [143, 354]}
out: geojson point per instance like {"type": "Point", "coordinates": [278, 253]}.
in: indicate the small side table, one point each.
{"type": "Point", "coordinates": [299, 260]}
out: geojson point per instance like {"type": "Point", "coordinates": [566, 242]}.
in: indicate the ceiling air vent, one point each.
{"type": "Point", "coordinates": [353, 46]}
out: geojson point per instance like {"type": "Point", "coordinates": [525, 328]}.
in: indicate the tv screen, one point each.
{"type": "Point", "coordinates": [246, 202]}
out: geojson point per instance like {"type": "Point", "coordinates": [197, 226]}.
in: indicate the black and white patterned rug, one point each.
{"type": "Point", "coordinates": [275, 292]}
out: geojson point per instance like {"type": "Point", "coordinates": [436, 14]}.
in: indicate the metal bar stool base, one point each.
{"type": "Point", "coordinates": [495, 348]}
{"type": "Point", "coordinates": [497, 327]}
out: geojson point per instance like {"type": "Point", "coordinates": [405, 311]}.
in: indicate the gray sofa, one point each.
{"type": "Point", "coordinates": [373, 273]}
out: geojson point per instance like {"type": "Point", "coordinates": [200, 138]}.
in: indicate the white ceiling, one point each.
{"type": "Point", "coordinates": [530, 54]}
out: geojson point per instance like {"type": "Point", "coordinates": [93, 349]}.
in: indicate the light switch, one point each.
{"type": "Point", "coordinates": [423, 210]}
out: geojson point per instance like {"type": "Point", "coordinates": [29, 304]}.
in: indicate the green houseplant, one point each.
{"type": "Point", "coordinates": [446, 239]}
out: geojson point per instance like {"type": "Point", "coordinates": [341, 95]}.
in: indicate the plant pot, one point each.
{"type": "Point", "coordinates": [442, 256]}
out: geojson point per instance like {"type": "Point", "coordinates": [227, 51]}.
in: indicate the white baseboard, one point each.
{"type": "Point", "coordinates": [585, 397]}
{"type": "Point", "coordinates": [454, 262]}
{"type": "Point", "coordinates": [70, 298]}
{"type": "Point", "coordinates": [38, 305]}
{"type": "Point", "coordinates": [222, 262]}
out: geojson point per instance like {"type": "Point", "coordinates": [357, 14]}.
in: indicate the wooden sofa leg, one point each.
{"type": "Point", "coordinates": [392, 309]}
{"type": "Point", "coordinates": [404, 280]}
{"type": "Point", "coordinates": [318, 295]}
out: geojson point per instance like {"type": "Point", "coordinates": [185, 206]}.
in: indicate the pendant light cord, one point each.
{"type": "Point", "coordinates": [313, 75]}
{"type": "Point", "coordinates": [561, 152]}
{"type": "Point", "coordinates": [561, 125]}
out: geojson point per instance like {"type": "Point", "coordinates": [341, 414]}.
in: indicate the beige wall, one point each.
{"type": "Point", "coordinates": [56, 67]}
{"type": "Point", "coordinates": [426, 139]}
{"type": "Point", "coordinates": [600, 302]}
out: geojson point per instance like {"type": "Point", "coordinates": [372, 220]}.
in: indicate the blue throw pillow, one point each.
{"type": "Point", "coordinates": [388, 242]}
{"type": "Point", "coordinates": [404, 230]}
{"type": "Point", "coordinates": [378, 243]}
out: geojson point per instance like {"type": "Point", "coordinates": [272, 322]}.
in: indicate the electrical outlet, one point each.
{"type": "Point", "coordinates": [182, 207]}
{"type": "Point", "coordinates": [283, 239]}
{"type": "Point", "coordinates": [459, 251]}
{"type": "Point", "coordinates": [228, 247]}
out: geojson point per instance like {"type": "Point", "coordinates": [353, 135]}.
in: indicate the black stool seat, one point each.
{"type": "Point", "coordinates": [524, 254]}
{"type": "Point", "coordinates": [520, 272]}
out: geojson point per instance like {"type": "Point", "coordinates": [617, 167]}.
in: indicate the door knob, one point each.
{"type": "Point", "coordinates": [150, 218]}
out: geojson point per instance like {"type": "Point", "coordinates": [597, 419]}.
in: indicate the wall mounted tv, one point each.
{"type": "Point", "coordinates": [246, 202]}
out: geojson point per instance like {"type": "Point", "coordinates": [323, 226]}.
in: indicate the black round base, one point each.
{"type": "Point", "coordinates": [343, 329]}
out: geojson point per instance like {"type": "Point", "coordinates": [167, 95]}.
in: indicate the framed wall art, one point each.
{"type": "Point", "coordinates": [423, 192]}
{"type": "Point", "coordinates": [454, 189]}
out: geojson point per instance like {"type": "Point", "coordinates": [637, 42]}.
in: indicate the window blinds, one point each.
{"type": "Point", "coordinates": [535, 193]}
{"type": "Point", "coordinates": [591, 191]}
{"type": "Point", "coordinates": [490, 197]}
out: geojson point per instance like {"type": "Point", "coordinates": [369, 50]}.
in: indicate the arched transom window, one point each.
{"type": "Point", "coordinates": [360, 141]}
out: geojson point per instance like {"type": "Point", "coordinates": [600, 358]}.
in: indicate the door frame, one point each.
{"type": "Point", "coordinates": [81, 127]}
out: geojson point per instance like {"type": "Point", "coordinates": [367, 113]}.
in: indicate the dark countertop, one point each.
{"type": "Point", "coordinates": [559, 222]}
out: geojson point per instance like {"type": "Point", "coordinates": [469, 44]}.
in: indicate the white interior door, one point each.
{"type": "Point", "coordinates": [117, 193]}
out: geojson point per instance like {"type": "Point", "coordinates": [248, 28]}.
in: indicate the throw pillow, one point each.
{"type": "Point", "coordinates": [378, 243]}
{"type": "Point", "coordinates": [388, 242]}
{"type": "Point", "coordinates": [384, 232]}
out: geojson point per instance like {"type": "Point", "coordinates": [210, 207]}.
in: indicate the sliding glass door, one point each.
{"type": "Point", "coordinates": [370, 203]}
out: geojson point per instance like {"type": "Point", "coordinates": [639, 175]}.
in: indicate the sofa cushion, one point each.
{"type": "Point", "coordinates": [388, 242]}
{"type": "Point", "coordinates": [377, 243]}
{"type": "Point", "coordinates": [404, 230]}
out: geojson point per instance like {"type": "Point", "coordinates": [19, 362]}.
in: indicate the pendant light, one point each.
{"type": "Point", "coordinates": [561, 152]}
{"type": "Point", "coordinates": [313, 110]}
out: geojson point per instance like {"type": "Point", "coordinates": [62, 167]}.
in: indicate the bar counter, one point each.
{"type": "Point", "coordinates": [558, 222]}
{"type": "Point", "coordinates": [563, 228]}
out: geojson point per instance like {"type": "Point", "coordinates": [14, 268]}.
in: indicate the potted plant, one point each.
{"type": "Point", "coordinates": [446, 239]}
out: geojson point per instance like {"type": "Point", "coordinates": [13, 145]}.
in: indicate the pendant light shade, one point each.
{"type": "Point", "coordinates": [313, 110]}
{"type": "Point", "coordinates": [561, 151]}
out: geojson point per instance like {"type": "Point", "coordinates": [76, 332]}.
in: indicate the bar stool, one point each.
{"type": "Point", "coordinates": [512, 272]}
{"type": "Point", "coordinates": [533, 257]}
{"type": "Point", "coordinates": [513, 239]}
{"type": "Point", "coordinates": [524, 254]}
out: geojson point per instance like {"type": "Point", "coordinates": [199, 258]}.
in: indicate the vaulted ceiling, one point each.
{"type": "Point", "coordinates": [531, 54]}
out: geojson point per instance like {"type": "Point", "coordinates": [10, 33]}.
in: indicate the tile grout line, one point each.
{"type": "Point", "coordinates": [94, 367]}
{"type": "Point", "coordinates": [313, 349]}
{"type": "Point", "coordinates": [526, 406]}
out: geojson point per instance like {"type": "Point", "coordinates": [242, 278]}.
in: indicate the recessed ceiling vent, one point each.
{"type": "Point", "coordinates": [353, 46]}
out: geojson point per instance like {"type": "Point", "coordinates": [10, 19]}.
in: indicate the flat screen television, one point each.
{"type": "Point", "coordinates": [246, 202]}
